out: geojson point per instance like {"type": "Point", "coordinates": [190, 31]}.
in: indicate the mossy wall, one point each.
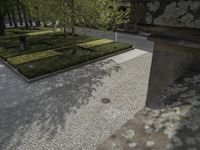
{"type": "Point", "coordinates": [172, 13]}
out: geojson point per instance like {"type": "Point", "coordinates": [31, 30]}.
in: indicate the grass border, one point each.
{"type": "Point", "coordinates": [62, 70]}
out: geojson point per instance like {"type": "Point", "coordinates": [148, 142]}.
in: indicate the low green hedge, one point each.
{"type": "Point", "coordinates": [111, 47]}
{"type": "Point", "coordinates": [12, 52]}
{"type": "Point", "coordinates": [44, 44]}
{"type": "Point", "coordinates": [52, 64]}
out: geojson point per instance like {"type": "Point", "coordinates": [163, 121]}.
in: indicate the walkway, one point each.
{"type": "Point", "coordinates": [174, 124]}
{"type": "Point", "coordinates": [66, 111]}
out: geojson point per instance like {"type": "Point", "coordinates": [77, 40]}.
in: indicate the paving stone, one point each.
{"type": "Point", "coordinates": [174, 125]}
{"type": "Point", "coordinates": [65, 112]}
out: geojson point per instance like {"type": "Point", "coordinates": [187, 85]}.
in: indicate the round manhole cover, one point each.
{"type": "Point", "coordinates": [105, 100]}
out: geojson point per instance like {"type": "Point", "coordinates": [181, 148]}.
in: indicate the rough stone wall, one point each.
{"type": "Point", "coordinates": [173, 13]}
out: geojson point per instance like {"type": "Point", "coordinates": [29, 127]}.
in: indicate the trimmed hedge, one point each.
{"type": "Point", "coordinates": [52, 64]}
{"type": "Point", "coordinates": [44, 44]}
{"type": "Point", "coordinates": [111, 47]}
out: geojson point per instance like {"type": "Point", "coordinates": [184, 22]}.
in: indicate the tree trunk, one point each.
{"type": "Point", "coordinates": [44, 22]}
{"type": "Point", "coordinates": [54, 25]}
{"type": "Point", "coordinates": [65, 32]}
{"type": "Point", "coordinates": [30, 20]}
{"type": "Point", "coordinates": [14, 19]}
{"type": "Point", "coordinates": [116, 36]}
{"type": "Point", "coordinates": [20, 15]}
{"type": "Point", "coordinates": [25, 19]}
{"type": "Point", "coordinates": [10, 20]}
{"type": "Point", "coordinates": [2, 28]}
{"type": "Point", "coordinates": [73, 28]}
{"type": "Point", "coordinates": [4, 24]}
{"type": "Point", "coordinates": [38, 17]}
{"type": "Point", "coordinates": [22, 40]}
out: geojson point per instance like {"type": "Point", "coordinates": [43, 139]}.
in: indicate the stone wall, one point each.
{"type": "Point", "coordinates": [175, 28]}
{"type": "Point", "coordinates": [172, 13]}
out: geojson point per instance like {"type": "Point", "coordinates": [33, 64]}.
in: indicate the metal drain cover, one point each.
{"type": "Point", "coordinates": [105, 100]}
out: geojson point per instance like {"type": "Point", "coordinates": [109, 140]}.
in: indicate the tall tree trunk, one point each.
{"type": "Point", "coordinates": [2, 27]}
{"type": "Point", "coordinates": [4, 24]}
{"type": "Point", "coordinates": [14, 19]}
{"type": "Point", "coordinates": [44, 22]}
{"type": "Point", "coordinates": [38, 17]}
{"type": "Point", "coordinates": [30, 20]}
{"type": "Point", "coordinates": [25, 19]}
{"type": "Point", "coordinates": [20, 15]}
{"type": "Point", "coordinates": [73, 27]}
{"type": "Point", "coordinates": [10, 20]}
{"type": "Point", "coordinates": [65, 32]}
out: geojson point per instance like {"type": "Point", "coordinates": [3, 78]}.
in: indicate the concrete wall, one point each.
{"type": "Point", "coordinates": [168, 63]}
{"type": "Point", "coordinates": [171, 13]}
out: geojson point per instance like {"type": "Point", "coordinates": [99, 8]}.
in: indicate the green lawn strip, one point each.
{"type": "Point", "coordinates": [95, 43]}
{"type": "Point", "coordinates": [32, 57]}
{"type": "Point", "coordinates": [53, 64]}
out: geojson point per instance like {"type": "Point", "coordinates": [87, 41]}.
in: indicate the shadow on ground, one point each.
{"type": "Point", "coordinates": [173, 124]}
{"type": "Point", "coordinates": [177, 117]}
{"type": "Point", "coordinates": [185, 101]}
{"type": "Point", "coordinates": [48, 111]}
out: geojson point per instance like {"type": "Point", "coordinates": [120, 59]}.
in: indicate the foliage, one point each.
{"type": "Point", "coordinates": [37, 42]}
{"type": "Point", "coordinates": [109, 16]}
{"type": "Point", "coordinates": [111, 47]}
{"type": "Point", "coordinates": [53, 64]}
{"type": "Point", "coordinates": [6, 6]}
{"type": "Point", "coordinates": [103, 14]}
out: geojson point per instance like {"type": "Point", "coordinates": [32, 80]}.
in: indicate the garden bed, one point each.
{"type": "Point", "coordinates": [41, 60]}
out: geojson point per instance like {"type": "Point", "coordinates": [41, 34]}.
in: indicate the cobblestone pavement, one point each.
{"type": "Point", "coordinates": [174, 124]}
{"type": "Point", "coordinates": [66, 111]}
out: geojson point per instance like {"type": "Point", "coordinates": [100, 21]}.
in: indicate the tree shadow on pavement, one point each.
{"type": "Point", "coordinates": [178, 113]}
{"type": "Point", "coordinates": [185, 124]}
{"type": "Point", "coordinates": [48, 111]}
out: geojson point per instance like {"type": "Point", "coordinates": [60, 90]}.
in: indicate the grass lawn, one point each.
{"type": "Point", "coordinates": [47, 51]}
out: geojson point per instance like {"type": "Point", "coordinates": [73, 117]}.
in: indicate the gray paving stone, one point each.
{"type": "Point", "coordinates": [65, 112]}
{"type": "Point", "coordinates": [174, 125]}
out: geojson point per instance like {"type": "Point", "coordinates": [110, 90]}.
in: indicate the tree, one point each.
{"type": "Point", "coordinates": [102, 14]}
{"type": "Point", "coordinates": [110, 17]}
{"type": "Point", "coordinates": [5, 8]}
{"type": "Point", "coordinates": [14, 18]}
{"type": "Point", "coordinates": [19, 15]}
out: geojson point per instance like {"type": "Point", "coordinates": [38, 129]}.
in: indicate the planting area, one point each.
{"type": "Point", "coordinates": [47, 51]}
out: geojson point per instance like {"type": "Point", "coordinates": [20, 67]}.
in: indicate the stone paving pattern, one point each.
{"type": "Point", "coordinates": [172, 124]}
{"type": "Point", "coordinates": [65, 112]}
